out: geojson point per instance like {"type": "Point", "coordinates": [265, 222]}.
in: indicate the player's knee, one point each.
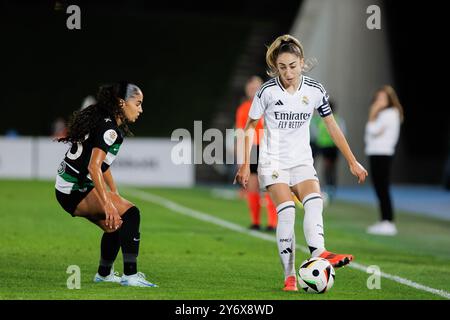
{"type": "Point", "coordinates": [132, 215]}
{"type": "Point", "coordinates": [108, 230]}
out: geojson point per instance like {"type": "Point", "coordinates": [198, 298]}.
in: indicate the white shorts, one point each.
{"type": "Point", "coordinates": [291, 176]}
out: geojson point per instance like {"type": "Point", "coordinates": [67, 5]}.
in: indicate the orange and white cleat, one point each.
{"type": "Point", "coordinates": [336, 260]}
{"type": "Point", "coordinates": [290, 284]}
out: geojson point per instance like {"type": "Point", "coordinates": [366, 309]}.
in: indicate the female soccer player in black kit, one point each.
{"type": "Point", "coordinates": [96, 134]}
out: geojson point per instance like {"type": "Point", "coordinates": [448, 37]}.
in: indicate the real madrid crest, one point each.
{"type": "Point", "coordinates": [275, 175]}
{"type": "Point", "coordinates": [305, 100]}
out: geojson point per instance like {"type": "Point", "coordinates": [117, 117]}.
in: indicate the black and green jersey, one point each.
{"type": "Point", "coordinates": [73, 171]}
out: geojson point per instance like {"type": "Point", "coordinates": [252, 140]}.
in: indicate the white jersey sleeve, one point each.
{"type": "Point", "coordinates": [257, 109]}
{"type": "Point", "coordinates": [261, 100]}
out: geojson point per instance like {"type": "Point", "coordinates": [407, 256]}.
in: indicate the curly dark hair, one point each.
{"type": "Point", "coordinates": [107, 105]}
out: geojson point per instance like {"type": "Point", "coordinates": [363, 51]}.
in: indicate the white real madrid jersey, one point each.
{"type": "Point", "coordinates": [287, 116]}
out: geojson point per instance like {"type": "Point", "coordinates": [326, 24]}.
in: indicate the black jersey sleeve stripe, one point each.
{"type": "Point", "coordinates": [279, 84]}
{"type": "Point", "coordinates": [259, 94]}
{"type": "Point", "coordinates": [271, 81]}
{"type": "Point", "coordinates": [311, 80]}
{"type": "Point", "coordinates": [264, 85]}
{"type": "Point", "coordinates": [314, 83]}
{"type": "Point", "coordinates": [315, 86]}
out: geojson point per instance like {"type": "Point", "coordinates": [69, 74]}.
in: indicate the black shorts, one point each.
{"type": "Point", "coordinates": [69, 202]}
{"type": "Point", "coordinates": [254, 155]}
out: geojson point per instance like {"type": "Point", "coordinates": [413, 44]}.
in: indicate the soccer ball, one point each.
{"type": "Point", "coordinates": [316, 275]}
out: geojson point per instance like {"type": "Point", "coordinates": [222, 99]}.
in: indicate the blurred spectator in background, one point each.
{"type": "Point", "coordinates": [253, 191]}
{"type": "Point", "coordinates": [59, 128]}
{"type": "Point", "coordinates": [381, 136]}
{"type": "Point", "coordinates": [326, 148]}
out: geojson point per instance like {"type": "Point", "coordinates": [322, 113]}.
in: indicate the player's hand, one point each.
{"type": "Point", "coordinates": [358, 170]}
{"type": "Point", "coordinates": [242, 176]}
{"type": "Point", "coordinates": [113, 219]}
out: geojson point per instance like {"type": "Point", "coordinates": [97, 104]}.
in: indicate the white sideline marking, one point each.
{"type": "Point", "coordinates": [235, 227]}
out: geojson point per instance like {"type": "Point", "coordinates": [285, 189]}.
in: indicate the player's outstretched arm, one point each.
{"type": "Point", "coordinates": [243, 173]}
{"type": "Point", "coordinates": [339, 139]}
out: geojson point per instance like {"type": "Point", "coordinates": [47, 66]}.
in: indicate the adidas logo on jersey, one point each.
{"type": "Point", "coordinates": [279, 103]}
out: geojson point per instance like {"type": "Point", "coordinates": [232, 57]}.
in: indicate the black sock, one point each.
{"type": "Point", "coordinates": [109, 248]}
{"type": "Point", "coordinates": [129, 240]}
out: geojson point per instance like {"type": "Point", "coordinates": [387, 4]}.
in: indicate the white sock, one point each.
{"type": "Point", "coordinates": [313, 223]}
{"type": "Point", "coordinates": [286, 236]}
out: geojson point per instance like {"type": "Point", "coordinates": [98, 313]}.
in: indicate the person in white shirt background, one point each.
{"type": "Point", "coordinates": [381, 136]}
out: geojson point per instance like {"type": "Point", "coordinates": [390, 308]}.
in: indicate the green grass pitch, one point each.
{"type": "Point", "coordinates": [193, 259]}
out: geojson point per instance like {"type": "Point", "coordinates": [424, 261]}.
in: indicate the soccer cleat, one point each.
{"type": "Point", "coordinates": [112, 277]}
{"type": "Point", "coordinates": [136, 280]}
{"type": "Point", "coordinates": [290, 284]}
{"type": "Point", "coordinates": [336, 260]}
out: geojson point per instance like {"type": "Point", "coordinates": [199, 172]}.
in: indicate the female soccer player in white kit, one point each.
{"type": "Point", "coordinates": [287, 102]}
